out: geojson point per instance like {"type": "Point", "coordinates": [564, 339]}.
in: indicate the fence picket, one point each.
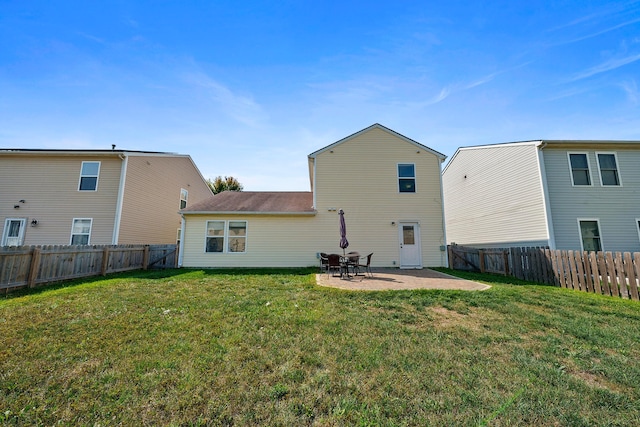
{"type": "Point", "coordinates": [621, 276]}
{"type": "Point", "coordinates": [580, 270]}
{"type": "Point", "coordinates": [631, 277]}
{"type": "Point", "coordinates": [36, 265]}
{"type": "Point", "coordinates": [593, 260]}
{"type": "Point", "coordinates": [606, 273]}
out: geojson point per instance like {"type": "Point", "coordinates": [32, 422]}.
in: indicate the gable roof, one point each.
{"type": "Point", "coordinates": [385, 129]}
{"type": "Point", "coordinates": [256, 203]}
{"type": "Point", "coordinates": [552, 143]}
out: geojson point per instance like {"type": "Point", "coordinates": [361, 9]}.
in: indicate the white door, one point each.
{"type": "Point", "coordinates": [410, 247]}
{"type": "Point", "coordinates": [13, 234]}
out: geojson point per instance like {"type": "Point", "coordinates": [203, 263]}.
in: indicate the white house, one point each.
{"type": "Point", "coordinates": [388, 185]}
{"type": "Point", "coordinates": [569, 195]}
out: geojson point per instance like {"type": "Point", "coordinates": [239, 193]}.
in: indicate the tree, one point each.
{"type": "Point", "coordinates": [220, 184]}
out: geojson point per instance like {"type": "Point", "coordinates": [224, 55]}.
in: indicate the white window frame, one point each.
{"type": "Point", "coordinates": [415, 181]}
{"type": "Point", "coordinates": [97, 176]}
{"type": "Point", "coordinates": [184, 199]}
{"type": "Point", "coordinates": [73, 223]}
{"type": "Point", "coordinates": [225, 236]}
{"type": "Point", "coordinates": [5, 231]}
{"type": "Point", "coordinates": [597, 220]}
{"type": "Point", "coordinates": [573, 184]}
{"type": "Point", "coordinates": [615, 156]}
{"type": "Point", "coordinates": [638, 227]}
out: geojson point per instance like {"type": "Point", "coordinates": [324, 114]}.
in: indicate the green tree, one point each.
{"type": "Point", "coordinates": [220, 184]}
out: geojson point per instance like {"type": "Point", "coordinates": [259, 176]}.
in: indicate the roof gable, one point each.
{"type": "Point", "coordinates": [385, 129]}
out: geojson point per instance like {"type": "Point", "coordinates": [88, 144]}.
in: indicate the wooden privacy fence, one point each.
{"type": "Point", "coordinates": [30, 266]}
{"type": "Point", "coordinates": [606, 273]}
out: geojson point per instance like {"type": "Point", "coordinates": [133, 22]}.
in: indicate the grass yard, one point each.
{"type": "Point", "coordinates": [251, 347]}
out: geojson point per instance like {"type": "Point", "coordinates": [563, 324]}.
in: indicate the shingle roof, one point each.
{"type": "Point", "coordinates": [256, 202]}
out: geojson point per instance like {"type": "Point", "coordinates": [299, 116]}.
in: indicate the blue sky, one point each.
{"type": "Point", "coordinates": [249, 89]}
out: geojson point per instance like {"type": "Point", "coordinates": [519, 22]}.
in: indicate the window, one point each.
{"type": "Point", "coordinates": [579, 169]}
{"type": "Point", "coordinates": [608, 165]}
{"type": "Point", "coordinates": [215, 236]}
{"type": "Point", "coordinates": [183, 198]}
{"type": "Point", "coordinates": [89, 176]}
{"type": "Point", "coordinates": [590, 235]}
{"type": "Point", "coordinates": [13, 234]}
{"type": "Point", "coordinates": [81, 231]}
{"type": "Point", "coordinates": [638, 224]}
{"type": "Point", "coordinates": [407, 178]}
{"type": "Point", "coordinates": [232, 232]}
{"type": "Point", "coordinates": [237, 236]}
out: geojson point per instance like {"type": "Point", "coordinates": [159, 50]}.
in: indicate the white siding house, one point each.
{"type": "Point", "coordinates": [388, 185]}
{"type": "Point", "coordinates": [570, 195]}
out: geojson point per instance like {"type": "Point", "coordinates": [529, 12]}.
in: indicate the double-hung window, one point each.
{"type": "Point", "coordinates": [579, 163]}
{"type": "Point", "coordinates": [81, 231]}
{"type": "Point", "coordinates": [608, 165]}
{"type": "Point", "coordinates": [89, 173]}
{"type": "Point", "coordinates": [406, 177]}
{"type": "Point", "coordinates": [226, 236]}
{"type": "Point", "coordinates": [183, 198]}
{"type": "Point", "coordinates": [590, 235]}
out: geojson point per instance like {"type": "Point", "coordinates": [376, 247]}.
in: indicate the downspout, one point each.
{"type": "Point", "coordinates": [444, 222]}
{"type": "Point", "coordinates": [119, 203]}
{"type": "Point", "coordinates": [315, 184]}
{"type": "Point", "coordinates": [545, 196]}
{"type": "Point", "coordinates": [181, 248]}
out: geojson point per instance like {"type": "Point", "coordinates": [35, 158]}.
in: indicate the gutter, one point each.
{"type": "Point", "coordinates": [249, 213]}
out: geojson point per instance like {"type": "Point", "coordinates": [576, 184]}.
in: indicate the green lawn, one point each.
{"type": "Point", "coordinates": [187, 347]}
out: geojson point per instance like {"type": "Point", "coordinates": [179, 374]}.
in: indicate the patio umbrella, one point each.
{"type": "Point", "coordinates": [344, 243]}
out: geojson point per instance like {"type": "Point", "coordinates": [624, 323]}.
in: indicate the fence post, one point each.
{"type": "Point", "coordinates": [481, 259]}
{"type": "Point", "coordinates": [33, 270]}
{"type": "Point", "coordinates": [450, 250]}
{"type": "Point", "coordinates": [105, 261]}
{"type": "Point", "coordinates": [145, 258]}
{"type": "Point", "coordinates": [505, 255]}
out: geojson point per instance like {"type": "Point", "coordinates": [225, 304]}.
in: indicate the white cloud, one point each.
{"type": "Point", "coordinates": [239, 107]}
{"type": "Point", "coordinates": [609, 65]}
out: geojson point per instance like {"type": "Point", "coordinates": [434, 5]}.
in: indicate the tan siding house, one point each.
{"type": "Point", "coordinates": [388, 185]}
{"type": "Point", "coordinates": [94, 196]}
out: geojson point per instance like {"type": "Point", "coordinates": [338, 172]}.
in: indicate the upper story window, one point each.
{"type": "Point", "coordinates": [407, 178]}
{"type": "Point", "coordinates": [223, 236]}
{"type": "Point", "coordinates": [608, 165]}
{"type": "Point", "coordinates": [184, 194]}
{"type": "Point", "coordinates": [89, 176]}
{"type": "Point", "coordinates": [81, 231]}
{"type": "Point", "coordinates": [579, 163]}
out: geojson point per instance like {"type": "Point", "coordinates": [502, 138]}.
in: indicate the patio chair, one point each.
{"type": "Point", "coordinates": [333, 264]}
{"type": "Point", "coordinates": [324, 262]}
{"type": "Point", "coordinates": [366, 268]}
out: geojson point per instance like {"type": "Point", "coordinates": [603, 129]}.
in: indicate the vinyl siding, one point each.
{"type": "Point", "coordinates": [272, 241]}
{"type": "Point", "coordinates": [493, 197]}
{"type": "Point", "coordinates": [152, 197]}
{"type": "Point", "coordinates": [49, 186]}
{"type": "Point", "coordinates": [616, 207]}
{"type": "Point", "coordinates": [360, 176]}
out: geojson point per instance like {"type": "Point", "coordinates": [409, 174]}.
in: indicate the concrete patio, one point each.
{"type": "Point", "coordinates": [396, 279]}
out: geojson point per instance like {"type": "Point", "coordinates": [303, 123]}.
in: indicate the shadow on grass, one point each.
{"type": "Point", "coordinates": [154, 274]}
{"type": "Point", "coordinates": [488, 277]}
